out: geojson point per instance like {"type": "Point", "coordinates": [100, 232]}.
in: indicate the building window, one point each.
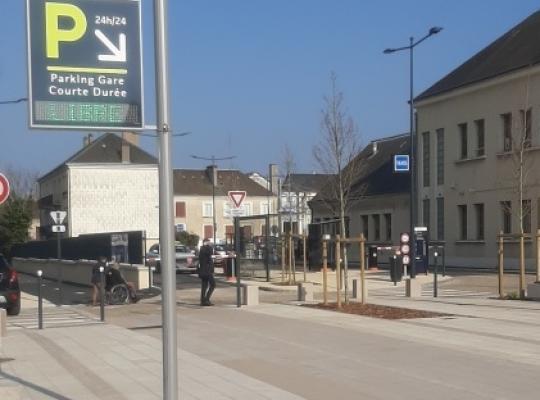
{"type": "Point", "coordinates": [425, 212]}
{"type": "Point", "coordinates": [526, 215]}
{"type": "Point", "coordinates": [506, 212]}
{"type": "Point", "coordinates": [480, 137]}
{"type": "Point", "coordinates": [440, 218]}
{"type": "Point", "coordinates": [525, 127]}
{"type": "Point", "coordinates": [247, 208]}
{"type": "Point", "coordinates": [377, 226]}
{"type": "Point", "coordinates": [208, 232]}
{"type": "Point", "coordinates": [425, 158]}
{"type": "Point", "coordinates": [440, 156]}
{"type": "Point", "coordinates": [388, 226]}
{"type": "Point", "coordinates": [462, 215]}
{"type": "Point", "coordinates": [507, 131]}
{"type": "Point", "coordinates": [180, 209]}
{"type": "Point", "coordinates": [463, 151]}
{"type": "Point", "coordinates": [365, 226]}
{"type": "Point", "coordinates": [207, 209]}
{"type": "Point", "coordinates": [479, 211]}
{"type": "Point", "coordinates": [265, 209]}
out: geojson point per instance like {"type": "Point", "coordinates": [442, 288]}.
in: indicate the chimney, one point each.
{"type": "Point", "coordinates": [131, 137]}
{"type": "Point", "coordinates": [126, 154]}
{"type": "Point", "coordinates": [87, 140]}
{"type": "Point", "coordinates": [374, 148]}
{"type": "Point", "coordinates": [212, 174]}
{"type": "Point", "coordinates": [273, 176]}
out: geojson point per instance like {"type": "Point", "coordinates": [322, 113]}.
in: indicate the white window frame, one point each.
{"type": "Point", "coordinates": [265, 207]}
{"type": "Point", "coordinates": [204, 205]}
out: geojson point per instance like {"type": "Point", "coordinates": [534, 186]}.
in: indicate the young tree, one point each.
{"type": "Point", "coordinates": [289, 166]}
{"type": "Point", "coordinates": [336, 154]}
{"type": "Point", "coordinates": [16, 212]}
{"type": "Point", "coordinates": [15, 220]}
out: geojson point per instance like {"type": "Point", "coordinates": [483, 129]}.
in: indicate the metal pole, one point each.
{"type": "Point", "coordinates": [338, 270]}
{"type": "Point", "coordinates": [305, 264]}
{"type": "Point", "coordinates": [267, 247]}
{"type": "Point", "coordinates": [102, 294]}
{"type": "Point", "coordinates": [538, 255]}
{"type": "Point", "coordinates": [40, 299]}
{"type": "Point", "coordinates": [501, 265]}
{"type": "Point", "coordinates": [325, 271]}
{"type": "Point", "coordinates": [363, 267]}
{"type": "Point", "coordinates": [166, 235]}
{"type": "Point", "coordinates": [214, 225]}
{"type": "Point", "coordinates": [412, 161]}
{"type": "Point", "coordinates": [237, 266]}
{"type": "Point", "coordinates": [59, 257]}
{"type": "Point", "coordinates": [435, 292]}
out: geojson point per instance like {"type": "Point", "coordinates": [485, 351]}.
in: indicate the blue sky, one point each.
{"type": "Point", "coordinates": [248, 76]}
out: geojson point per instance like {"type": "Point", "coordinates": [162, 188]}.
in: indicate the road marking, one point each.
{"type": "Point", "coordinates": [52, 317]}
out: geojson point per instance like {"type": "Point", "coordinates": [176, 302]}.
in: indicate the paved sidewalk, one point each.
{"type": "Point", "coordinates": [108, 362]}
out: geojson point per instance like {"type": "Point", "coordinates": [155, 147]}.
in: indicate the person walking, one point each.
{"type": "Point", "coordinates": [206, 272]}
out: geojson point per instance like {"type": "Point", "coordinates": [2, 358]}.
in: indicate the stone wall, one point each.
{"type": "Point", "coordinates": [78, 272]}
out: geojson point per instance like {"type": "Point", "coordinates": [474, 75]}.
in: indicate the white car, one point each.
{"type": "Point", "coordinates": [186, 259]}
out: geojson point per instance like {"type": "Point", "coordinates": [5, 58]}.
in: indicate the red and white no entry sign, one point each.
{"type": "Point", "coordinates": [4, 188]}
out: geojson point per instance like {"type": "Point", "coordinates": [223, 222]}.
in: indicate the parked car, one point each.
{"type": "Point", "coordinates": [10, 292]}
{"type": "Point", "coordinates": [186, 259]}
{"type": "Point", "coordinates": [219, 253]}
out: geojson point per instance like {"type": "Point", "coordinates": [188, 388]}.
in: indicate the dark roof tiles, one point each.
{"type": "Point", "coordinates": [516, 49]}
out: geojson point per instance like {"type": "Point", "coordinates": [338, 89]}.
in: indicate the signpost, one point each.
{"type": "Point", "coordinates": [401, 163]}
{"type": "Point", "coordinates": [4, 188]}
{"type": "Point", "coordinates": [237, 197]}
{"type": "Point", "coordinates": [85, 64]}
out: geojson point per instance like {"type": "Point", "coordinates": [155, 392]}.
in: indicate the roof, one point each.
{"type": "Point", "coordinates": [106, 149]}
{"type": "Point", "coordinates": [305, 182]}
{"type": "Point", "coordinates": [516, 49]}
{"type": "Point", "coordinates": [375, 170]}
{"type": "Point", "coordinates": [199, 182]}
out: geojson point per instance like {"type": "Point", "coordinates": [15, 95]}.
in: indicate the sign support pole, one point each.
{"type": "Point", "coordinates": [166, 237]}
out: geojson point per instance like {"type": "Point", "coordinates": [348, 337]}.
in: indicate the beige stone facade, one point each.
{"type": "Point", "coordinates": [197, 218]}
{"type": "Point", "coordinates": [467, 165]}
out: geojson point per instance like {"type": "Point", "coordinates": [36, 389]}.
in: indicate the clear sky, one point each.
{"type": "Point", "coordinates": [248, 76]}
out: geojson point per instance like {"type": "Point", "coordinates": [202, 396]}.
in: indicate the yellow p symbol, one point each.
{"type": "Point", "coordinates": [54, 35]}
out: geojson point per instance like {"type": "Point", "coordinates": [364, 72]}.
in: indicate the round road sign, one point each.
{"type": "Point", "coordinates": [4, 188]}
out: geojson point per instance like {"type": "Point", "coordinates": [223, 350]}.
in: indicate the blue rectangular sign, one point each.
{"type": "Point", "coordinates": [401, 163]}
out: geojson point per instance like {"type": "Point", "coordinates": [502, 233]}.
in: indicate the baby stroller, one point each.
{"type": "Point", "coordinates": [117, 289]}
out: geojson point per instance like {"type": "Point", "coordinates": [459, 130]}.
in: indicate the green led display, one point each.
{"type": "Point", "coordinates": [87, 113]}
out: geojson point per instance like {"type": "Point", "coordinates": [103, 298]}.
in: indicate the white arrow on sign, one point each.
{"type": "Point", "coordinates": [58, 216]}
{"type": "Point", "coordinates": [119, 53]}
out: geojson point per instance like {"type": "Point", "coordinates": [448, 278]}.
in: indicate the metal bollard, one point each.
{"type": "Point", "coordinates": [40, 299]}
{"type": "Point", "coordinates": [102, 294]}
{"type": "Point", "coordinates": [435, 270]}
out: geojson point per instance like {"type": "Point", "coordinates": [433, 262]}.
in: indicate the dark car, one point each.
{"type": "Point", "coordinates": [10, 292]}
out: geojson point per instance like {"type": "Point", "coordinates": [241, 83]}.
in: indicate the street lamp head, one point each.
{"type": "Point", "coordinates": [388, 51]}
{"type": "Point", "coordinates": [435, 30]}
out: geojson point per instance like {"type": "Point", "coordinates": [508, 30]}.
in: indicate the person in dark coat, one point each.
{"type": "Point", "coordinates": [206, 273]}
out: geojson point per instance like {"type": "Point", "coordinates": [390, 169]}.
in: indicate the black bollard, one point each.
{"type": "Point", "coordinates": [102, 293]}
{"type": "Point", "coordinates": [40, 299]}
{"type": "Point", "coordinates": [435, 270]}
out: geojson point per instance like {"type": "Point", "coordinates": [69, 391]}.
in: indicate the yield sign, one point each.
{"type": "Point", "coordinates": [4, 188]}
{"type": "Point", "coordinates": [237, 197]}
{"type": "Point", "coordinates": [58, 216]}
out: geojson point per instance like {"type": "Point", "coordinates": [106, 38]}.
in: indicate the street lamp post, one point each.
{"type": "Point", "coordinates": [412, 44]}
{"type": "Point", "coordinates": [213, 159]}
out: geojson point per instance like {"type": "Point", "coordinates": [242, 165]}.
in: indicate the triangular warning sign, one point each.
{"type": "Point", "coordinates": [237, 197]}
